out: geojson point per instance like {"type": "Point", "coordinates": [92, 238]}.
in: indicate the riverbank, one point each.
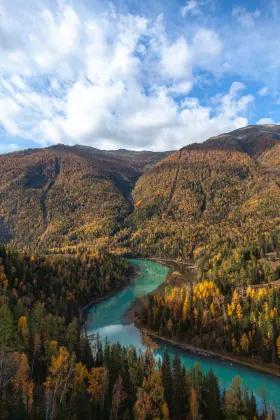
{"type": "Point", "coordinates": [129, 278]}
{"type": "Point", "coordinates": [169, 263]}
{"type": "Point", "coordinates": [178, 274]}
{"type": "Point", "coordinates": [271, 369]}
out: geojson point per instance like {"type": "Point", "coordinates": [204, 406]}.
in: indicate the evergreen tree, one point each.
{"type": "Point", "coordinates": [211, 397]}
{"type": "Point", "coordinates": [166, 369]}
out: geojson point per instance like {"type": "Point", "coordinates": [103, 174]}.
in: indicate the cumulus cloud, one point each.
{"type": "Point", "coordinates": [177, 60]}
{"type": "Point", "coordinates": [110, 81]}
{"type": "Point", "coordinates": [207, 42]}
{"type": "Point", "coordinates": [231, 105]}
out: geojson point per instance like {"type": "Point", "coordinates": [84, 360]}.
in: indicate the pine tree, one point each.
{"type": "Point", "coordinates": [211, 397]}
{"type": "Point", "coordinates": [167, 378]}
{"type": "Point", "coordinates": [178, 388]}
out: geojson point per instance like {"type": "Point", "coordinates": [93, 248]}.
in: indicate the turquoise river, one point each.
{"type": "Point", "coordinates": [107, 320]}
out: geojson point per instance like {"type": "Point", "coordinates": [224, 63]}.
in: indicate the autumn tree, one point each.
{"type": "Point", "coordinates": [150, 397]}
{"type": "Point", "coordinates": [59, 381]}
{"type": "Point", "coordinates": [117, 398]}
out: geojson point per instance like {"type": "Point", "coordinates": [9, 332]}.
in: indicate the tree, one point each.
{"type": "Point", "coordinates": [150, 398]}
{"type": "Point", "coordinates": [23, 383]}
{"type": "Point", "coordinates": [167, 378]}
{"type": "Point", "coordinates": [81, 373]}
{"type": "Point", "coordinates": [117, 398]}
{"type": "Point", "coordinates": [59, 381]}
{"type": "Point", "coordinates": [278, 347]}
{"type": "Point", "coordinates": [98, 383]}
{"type": "Point", "coordinates": [23, 330]}
{"type": "Point", "coordinates": [252, 409]}
{"type": "Point", "coordinates": [233, 400]}
{"type": "Point", "coordinates": [194, 405]}
{"type": "Point", "coordinates": [165, 411]}
{"type": "Point", "coordinates": [8, 334]}
{"type": "Point", "coordinates": [178, 381]}
{"type": "Point", "coordinates": [9, 363]}
{"type": "Point", "coordinates": [211, 396]}
{"type": "Point", "coordinates": [244, 343]}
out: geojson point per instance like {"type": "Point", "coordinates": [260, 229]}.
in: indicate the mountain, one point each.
{"type": "Point", "coordinates": [67, 195]}
{"type": "Point", "coordinates": [175, 204]}
{"type": "Point", "coordinates": [223, 190]}
{"type": "Point", "coordinates": [252, 140]}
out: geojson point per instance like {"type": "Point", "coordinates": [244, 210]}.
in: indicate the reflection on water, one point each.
{"type": "Point", "coordinates": [107, 321]}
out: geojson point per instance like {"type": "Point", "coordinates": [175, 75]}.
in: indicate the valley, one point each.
{"type": "Point", "coordinates": [74, 212]}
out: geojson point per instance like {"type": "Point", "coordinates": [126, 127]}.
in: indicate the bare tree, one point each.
{"type": "Point", "coordinates": [9, 363]}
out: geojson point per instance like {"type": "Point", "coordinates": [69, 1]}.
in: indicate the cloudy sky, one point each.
{"type": "Point", "coordinates": [136, 74]}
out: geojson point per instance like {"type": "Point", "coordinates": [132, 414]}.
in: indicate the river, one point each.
{"type": "Point", "coordinates": [107, 320]}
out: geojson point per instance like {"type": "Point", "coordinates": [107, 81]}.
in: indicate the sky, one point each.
{"type": "Point", "coordinates": [135, 74]}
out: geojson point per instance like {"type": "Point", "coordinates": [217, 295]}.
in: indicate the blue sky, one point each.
{"type": "Point", "coordinates": [133, 74]}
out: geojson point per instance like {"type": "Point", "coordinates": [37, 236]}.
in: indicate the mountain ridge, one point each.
{"type": "Point", "coordinates": [69, 195]}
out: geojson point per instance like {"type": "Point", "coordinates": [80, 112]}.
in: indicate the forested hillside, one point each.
{"type": "Point", "coordinates": [151, 204]}
{"type": "Point", "coordinates": [61, 196]}
{"type": "Point", "coordinates": [208, 194]}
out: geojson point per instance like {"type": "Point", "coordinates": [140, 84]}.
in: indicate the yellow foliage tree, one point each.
{"type": "Point", "coordinates": [23, 329]}
{"type": "Point", "coordinates": [59, 380]}
{"type": "Point", "coordinates": [244, 343]}
{"type": "Point", "coordinates": [278, 347]}
{"type": "Point", "coordinates": [96, 383]}
{"type": "Point", "coordinates": [22, 381]}
{"type": "Point", "coordinates": [81, 373]}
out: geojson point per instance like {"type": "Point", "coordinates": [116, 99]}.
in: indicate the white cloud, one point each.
{"type": "Point", "coordinates": [263, 91]}
{"type": "Point", "coordinates": [18, 82]}
{"type": "Point", "coordinates": [207, 50]}
{"type": "Point", "coordinates": [177, 60]}
{"type": "Point", "coordinates": [112, 81]}
{"type": "Point", "coordinates": [266, 121]}
{"type": "Point", "coordinates": [231, 105]}
{"type": "Point", "coordinates": [179, 89]}
{"type": "Point", "coordinates": [190, 103]}
{"type": "Point", "coordinates": [191, 8]}
{"type": "Point", "coordinates": [12, 147]}
{"type": "Point", "coordinates": [244, 17]}
{"type": "Point", "coordinates": [207, 42]}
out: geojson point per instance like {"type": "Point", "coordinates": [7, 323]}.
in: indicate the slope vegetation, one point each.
{"type": "Point", "coordinates": [176, 205]}
{"type": "Point", "coordinates": [67, 195]}
{"type": "Point", "coordinates": [223, 191]}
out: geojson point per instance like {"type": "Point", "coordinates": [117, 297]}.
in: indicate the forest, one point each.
{"type": "Point", "coordinates": [50, 369]}
{"type": "Point", "coordinates": [232, 305]}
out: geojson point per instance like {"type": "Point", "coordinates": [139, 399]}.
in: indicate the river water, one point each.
{"type": "Point", "coordinates": [107, 320]}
